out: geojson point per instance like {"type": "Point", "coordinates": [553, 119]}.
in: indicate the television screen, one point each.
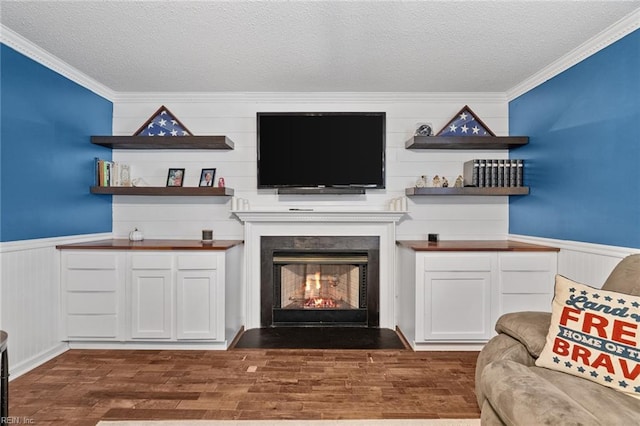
{"type": "Point", "coordinates": [321, 149]}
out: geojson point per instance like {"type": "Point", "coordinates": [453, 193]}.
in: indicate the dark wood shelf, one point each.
{"type": "Point", "coordinates": [161, 190]}
{"type": "Point", "coordinates": [468, 190]}
{"type": "Point", "coordinates": [466, 142]}
{"type": "Point", "coordinates": [163, 142]}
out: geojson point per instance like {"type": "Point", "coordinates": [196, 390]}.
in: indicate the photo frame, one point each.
{"type": "Point", "coordinates": [175, 177]}
{"type": "Point", "coordinates": [207, 177]}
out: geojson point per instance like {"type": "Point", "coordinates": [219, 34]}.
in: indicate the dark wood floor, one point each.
{"type": "Point", "coordinates": [81, 387]}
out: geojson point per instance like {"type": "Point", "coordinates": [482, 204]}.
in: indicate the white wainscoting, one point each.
{"type": "Point", "coordinates": [586, 263]}
{"type": "Point", "coordinates": [30, 300]}
{"type": "Point", "coordinates": [234, 115]}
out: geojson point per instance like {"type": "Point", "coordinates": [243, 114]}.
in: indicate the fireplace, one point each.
{"type": "Point", "coordinates": [319, 281]}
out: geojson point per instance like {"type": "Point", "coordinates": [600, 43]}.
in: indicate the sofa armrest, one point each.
{"type": "Point", "coordinates": [500, 347]}
{"type": "Point", "coordinates": [519, 396]}
{"type": "Point", "coordinates": [528, 328]}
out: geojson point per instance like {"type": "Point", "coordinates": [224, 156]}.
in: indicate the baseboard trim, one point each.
{"type": "Point", "coordinates": [448, 347]}
{"type": "Point", "coordinates": [178, 346]}
{"type": "Point", "coordinates": [27, 365]}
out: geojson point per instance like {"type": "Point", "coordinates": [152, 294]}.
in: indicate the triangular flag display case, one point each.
{"type": "Point", "coordinates": [465, 123]}
{"type": "Point", "coordinates": [163, 123]}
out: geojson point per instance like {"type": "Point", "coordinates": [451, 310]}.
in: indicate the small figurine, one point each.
{"type": "Point", "coordinates": [437, 183]}
{"type": "Point", "coordinates": [221, 182]}
{"type": "Point", "coordinates": [445, 182]}
{"type": "Point", "coordinates": [421, 182]}
{"type": "Point", "coordinates": [459, 182]}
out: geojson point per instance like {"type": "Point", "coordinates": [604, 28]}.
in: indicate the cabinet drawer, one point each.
{"type": "Point", "coordinates": [525, 262]}
{"type": "Point", "coordinates": [151, 261]}
{"type": "Point", "coordinates": [209, 261]}
{"type": "Point", "coordinates": [92, 280]}
{"type": "Point", "coordinates": [92, 303]}
{"type": "Point", "coordinates": [457, 263]}
{"type": "Point", "coordinates": [533, 282]}
{"type": "Point", "coordinates": [88, 326]}
{"type": "Point", "coordinates": [91, 261]}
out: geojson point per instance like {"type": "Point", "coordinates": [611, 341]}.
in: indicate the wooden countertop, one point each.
{"type": "Point", "coordinates": [472, 245]}
{"type": "Point", "coordinates": [125, 244]}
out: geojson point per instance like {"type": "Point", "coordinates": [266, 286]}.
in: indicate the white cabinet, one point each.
{"type": "Point", "coordinates": [177, 296]}
{"type": "Point", "coordinates": [456, 297]}
{"type": "Point", "coordinates": [199, 293]}
{"type": "Point", "coordinates": [151, 296]}
{"type": "Point", "coordinates": [526, 281]}
{"type": "Point", "coordinates": [92, 295]}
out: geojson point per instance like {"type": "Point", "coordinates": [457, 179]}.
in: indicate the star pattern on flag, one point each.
{"type": "Point", "coordinates": [163, 123]}
{"type": "Point", "coordinates": [465, 123]}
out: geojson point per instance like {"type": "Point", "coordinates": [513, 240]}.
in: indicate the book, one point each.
{"type": "Point", "coordinates": [470, 173]}
{"type": "Point", "coordinates": [494, 173]}
{"type": "Point", "coordinates": [519, 172]}
{"type": "Point", "coordinates": [482, 165]}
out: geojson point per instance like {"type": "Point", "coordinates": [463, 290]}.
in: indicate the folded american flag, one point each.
{"type": "Point", "coordinates": [465, 123]}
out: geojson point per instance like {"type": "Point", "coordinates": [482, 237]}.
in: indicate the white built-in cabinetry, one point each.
{"type": "Point", "coordinates": [455, 297]}
{"type": "Point", "coordinates": [93, 288]}
{"type": "Point", "coordinates": [169, 296]}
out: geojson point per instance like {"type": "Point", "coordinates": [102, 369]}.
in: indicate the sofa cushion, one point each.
{"type": "Point", "coordinates": [529, 328]}
{"type": "Point", "coordinates": [595, 398]}
{"type": "Point", "coordinates": [521, 397]}
{"type": "Point", "coordinates": [595, 335]}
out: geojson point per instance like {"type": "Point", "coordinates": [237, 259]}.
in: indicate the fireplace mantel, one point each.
{"type": "Point", "coordinates": [317, 222]}
{"type": "Point", "coordinates": [304, 215]}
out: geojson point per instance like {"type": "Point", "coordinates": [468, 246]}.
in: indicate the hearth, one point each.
{"type": "Point", "coordinates": [319, 281]}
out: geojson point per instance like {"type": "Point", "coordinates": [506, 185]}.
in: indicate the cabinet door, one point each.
{"type": "Point", "coordinates": [456, 298]}
{"type": "Point", "coordinates": [92, 291]}
{"type": "Point", "coordinates": [196, 304]}
{"type": "Point", "coordinates": [151, 303]}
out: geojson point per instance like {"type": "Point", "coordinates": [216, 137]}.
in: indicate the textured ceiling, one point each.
{"type": "Point", "coordinates": [329, 46]}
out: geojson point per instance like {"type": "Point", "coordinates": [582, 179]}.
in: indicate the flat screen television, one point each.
{"type": "Point", "coordinates": [321, 149]}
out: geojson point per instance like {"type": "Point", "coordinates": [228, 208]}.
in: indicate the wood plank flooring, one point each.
{"type": "Point", "coordinates": [81, 387]}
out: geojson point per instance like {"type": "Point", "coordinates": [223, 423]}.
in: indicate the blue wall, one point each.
{"type": "Point", "coordinates": [583, 157]}
{"type": "Point", "coordinates": [46, 161]}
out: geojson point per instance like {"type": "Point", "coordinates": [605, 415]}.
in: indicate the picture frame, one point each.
{"type": "Point", "coordinates": [175, 177]}
{"type": "Point", "coordinates": [207, 177]}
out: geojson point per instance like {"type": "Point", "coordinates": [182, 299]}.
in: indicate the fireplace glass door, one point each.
{"type": "Point", "coordinates": [320, 288]}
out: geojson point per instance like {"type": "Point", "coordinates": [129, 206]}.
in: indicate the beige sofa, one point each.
{"type": "Point", "coordinates": [511, 390]}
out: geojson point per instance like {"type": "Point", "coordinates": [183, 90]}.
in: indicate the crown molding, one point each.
{"type": "Point", "coordinates": [36, 53]}
{"type": "Point", "coordinates": [615, 32]}
{"type": "Point", "coordinates": [309, 97]}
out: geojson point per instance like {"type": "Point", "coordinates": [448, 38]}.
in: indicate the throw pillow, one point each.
{"type": "Point", "coordinates": [594, 334]}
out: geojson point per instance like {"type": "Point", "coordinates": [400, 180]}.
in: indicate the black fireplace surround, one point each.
{"type": "Point", "coordinates": [361, 252]}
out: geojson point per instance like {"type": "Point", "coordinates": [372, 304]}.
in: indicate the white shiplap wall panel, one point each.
{"type": "Point", "coordinates": [234, 115]}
